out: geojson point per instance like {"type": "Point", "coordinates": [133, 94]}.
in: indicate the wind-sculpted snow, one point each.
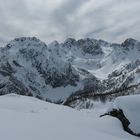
{"type": "Point", "coordinates": [53, 72]}
{"type": "Point", "coordinates": [27, 118]}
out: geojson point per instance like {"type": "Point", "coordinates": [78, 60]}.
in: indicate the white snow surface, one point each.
{"type": "Point", "coordinates": [131, 109]}
{"type": "Point", "coordinates": [27, 118]}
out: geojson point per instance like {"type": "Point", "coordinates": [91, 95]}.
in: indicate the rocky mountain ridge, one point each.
{"type": "Point", "coordinates": [55, 71]}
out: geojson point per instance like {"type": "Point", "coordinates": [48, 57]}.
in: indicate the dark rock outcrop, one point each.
{"type": "Point", "coordinates": [125, 122]}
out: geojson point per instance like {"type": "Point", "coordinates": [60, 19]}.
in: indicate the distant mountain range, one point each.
{"type": "Point", "coordinates": [59, 72]}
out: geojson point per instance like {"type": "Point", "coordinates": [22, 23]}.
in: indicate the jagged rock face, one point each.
{"type": "Point", "coordinates": [53, 72]}
{"type": "Point", "coordinates": [119, 72]}
{"type": "Point", "coordinates": [88, 46]}
{"type": "Point", "coordinates": [128, 75]}
{"type": "Point", "coordinates": [27, 67]}
{"type": "Point", "coordinates": [70, 42]}
{"type": "Point", "coordinates": [130, 44]}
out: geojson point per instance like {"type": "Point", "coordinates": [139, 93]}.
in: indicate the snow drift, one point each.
{"type": "Point", "coordinates": [31, 119]}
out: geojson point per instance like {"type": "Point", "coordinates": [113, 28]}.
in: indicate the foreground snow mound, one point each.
{"type": "Point", "coordinates": [27, 118]}
{"type": "Point", "coordinates": [130, 107]}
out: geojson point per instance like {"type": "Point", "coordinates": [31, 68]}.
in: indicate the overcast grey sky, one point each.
{"type": "Point", "coordinates": [111, 20]}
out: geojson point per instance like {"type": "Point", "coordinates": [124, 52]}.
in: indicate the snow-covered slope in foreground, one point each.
{"type": "Point", "coordinates": [131, 109]}
{"type": "Point", "coordinates": [27, 118]}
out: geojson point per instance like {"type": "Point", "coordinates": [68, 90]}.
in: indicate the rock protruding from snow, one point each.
{"type": "Point", "coordinates": [128, 107]}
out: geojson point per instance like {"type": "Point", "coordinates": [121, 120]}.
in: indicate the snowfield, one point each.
{"type": "Point", "coordinates": [27, 118]}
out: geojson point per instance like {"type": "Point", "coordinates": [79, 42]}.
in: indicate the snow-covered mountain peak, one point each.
{"type": "Point", "coordinates": [86, 46]}
{"type": "Point", "coordinates": [26, 42]}
{"type": "Point", "coordinates": [21, 39]}
{"type": "Point", "coordinates": [54, 43]}
{"type": "Point", "coordinates": [131, 41]}
{"type": "Point", "coordinates": [69, 42]}
{"type": "Point", "coordinates": [90, 46]}
{"type": "Point", "coordinates": [104, 43]}
{"type": "Point", "coordinates": [130, 44]}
